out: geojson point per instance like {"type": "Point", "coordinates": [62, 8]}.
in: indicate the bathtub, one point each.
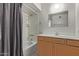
{"type": "Point", "coordinates": [30, 49]}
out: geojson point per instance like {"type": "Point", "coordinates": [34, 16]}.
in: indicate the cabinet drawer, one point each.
{"type": "Point", "coordinates": [43, 38]}
{"type": "Point", "coordinates": [60, 41]}
{"type": "Point", "coordinates": [73, 42]}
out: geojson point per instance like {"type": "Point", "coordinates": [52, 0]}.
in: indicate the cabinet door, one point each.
{"type": "Point", "coordinates": [60, 49]}
{"type": "Point", "coordinates": [44, 48]}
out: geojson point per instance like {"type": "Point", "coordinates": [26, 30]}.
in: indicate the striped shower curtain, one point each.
{"type": "Point", "coordinates": [11, 29]}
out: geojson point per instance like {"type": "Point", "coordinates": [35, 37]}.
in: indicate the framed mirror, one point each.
{"type": "Point", "coordinates": [58, 19]}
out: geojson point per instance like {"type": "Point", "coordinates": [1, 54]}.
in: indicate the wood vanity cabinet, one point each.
{"type": "Point", "coordinates": [51, 46]}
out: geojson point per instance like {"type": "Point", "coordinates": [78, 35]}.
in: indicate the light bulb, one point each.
{"type": "Point", "coordinates": [56, 6]}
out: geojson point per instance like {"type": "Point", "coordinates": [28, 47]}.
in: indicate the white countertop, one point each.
{"type": "Point", "coordinates": [60, 36]}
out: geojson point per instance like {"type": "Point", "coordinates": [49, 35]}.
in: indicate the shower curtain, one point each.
{"type": "Point", "coordinates": [11, 29]}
